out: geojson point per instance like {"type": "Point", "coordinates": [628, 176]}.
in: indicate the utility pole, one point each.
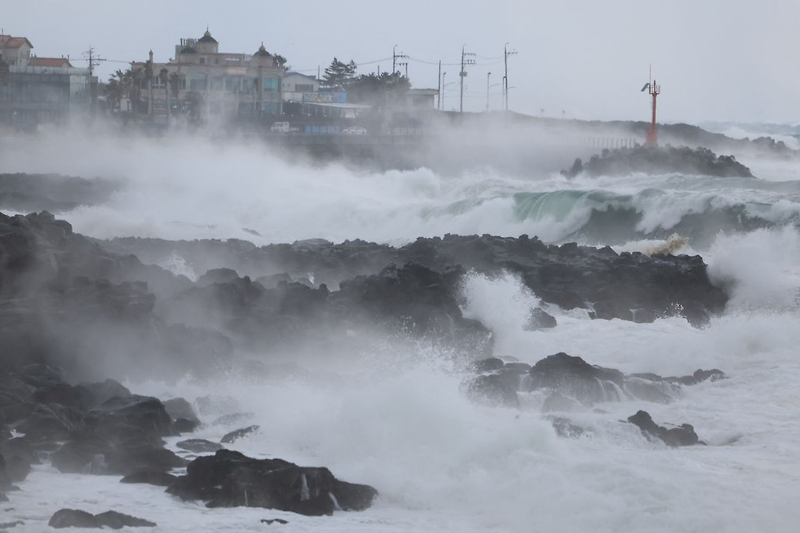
{"type": "Point", "coordinates": [506, 53]}
{"type": "Point", "coordinates": [395, 57]}
{"type": "Point", "coordinates": [93, 60]}
{"type": "Point", "coordinates": [466, 60]}
{"type": "Point", "coordinates": [440, 86]}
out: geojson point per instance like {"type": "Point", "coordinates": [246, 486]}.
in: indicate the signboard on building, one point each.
{"type": "Point", "coordinates": [325, 98]}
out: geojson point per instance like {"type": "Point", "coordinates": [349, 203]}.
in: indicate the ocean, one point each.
{"type": "Point", "coordinates": [404, 425]}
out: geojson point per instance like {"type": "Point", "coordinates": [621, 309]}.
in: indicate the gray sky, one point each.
{"type": "Point", "coordinates": [716, 59]}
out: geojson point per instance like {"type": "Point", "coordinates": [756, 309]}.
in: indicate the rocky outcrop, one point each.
{"type": "Point", "coordinates": [625, 286]}
{"type": "Point", "coordinates": [683, 435]}
{"type": "Point", "coordinates": [569, 383]}
{"type": "Point", "coordinates": [660, 160]}
{"type": "Point", "coordinates": [199, 446]}
{"type": "Point", "coordinates": [111, 519]}
{"type": "Point", "coordinates": [230, 479]}
{"type": "Point", "coordinates": [37, 192]}
{"type": "Point", "coordinates": [235, 435]}
{"type": "Point", "coordinates": [78, 428]}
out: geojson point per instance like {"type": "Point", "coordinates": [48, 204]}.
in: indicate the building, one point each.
{"type": "Point", "coordinates": [203, 82]}
{"type": "Point", "coordinates": [422, 99]}
{"type": "Point", "coordinates": [15, 50]}
{"type": "Point", "coordinates": [294, 85]}
{"type": "Point", "coordinates": [37, 90]}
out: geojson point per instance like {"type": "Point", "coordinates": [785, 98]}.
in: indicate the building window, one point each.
{"type": "Point", "coordinates": [248, 85]}
{"type": "Point", "coordinates": [233, 83]}
{"type": "Point", "coordinates": [272, 85]}
{"type": "Point", "coordinates": [197, 84]}
{"type": "Point", "coordinates": [304, 88]}
{"type": "Point", "coordinates": [217, 83]}
{"type": "Point", "coordinates": [202, 60]}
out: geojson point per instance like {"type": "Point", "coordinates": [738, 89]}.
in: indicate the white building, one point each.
{"type": "Point", "coordinates": [203, 80]}
{"type": "Point", "coordinates": [294, 85]}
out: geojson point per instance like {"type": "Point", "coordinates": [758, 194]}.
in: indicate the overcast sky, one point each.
{"type": "Point", "coordinates": [718, 60]}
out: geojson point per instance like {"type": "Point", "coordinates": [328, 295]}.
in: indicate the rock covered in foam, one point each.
{"type": "Point", "coordinates": [231, 479]}
{"type": "Point", "coordinates": [572, 384]}
{"type": "Point", "coordinates": [683, 435]}
{"type": "Point", "coordinates": [68, 518]}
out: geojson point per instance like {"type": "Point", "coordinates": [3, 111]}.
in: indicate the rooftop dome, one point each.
{"type": "Point", "coordinates": [207, 38]}
{"type": "Point", "coordinates": [262, 52]}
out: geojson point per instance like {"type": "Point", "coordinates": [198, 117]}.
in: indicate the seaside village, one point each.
{"type": "Point", "coordinates": [201, 84]}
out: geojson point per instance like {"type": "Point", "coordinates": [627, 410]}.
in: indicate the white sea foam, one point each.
{"type": "Point", "coordinates": [179, 189]}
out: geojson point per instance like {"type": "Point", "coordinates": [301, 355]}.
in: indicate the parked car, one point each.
{"type": "Point", "coordinates": [355, 130]}
{"type": "Point", "coordinates": [283, 127]}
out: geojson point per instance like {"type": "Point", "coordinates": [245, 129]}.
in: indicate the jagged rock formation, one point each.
{"type": "Point", "coordinates": [64, 299]}
{"type": "Point", "coordinates": [570, 383]}
{"type": "Point", "coordinates": [660, 160]}
{"type": "Point", "coordinates": [683, 435]}
{"type": "Point", "coordinates": [68, 518]}
{"type": "Point", "coordinates": [626, 286]}
{"type": "Point", "coordinates": [231, 479]}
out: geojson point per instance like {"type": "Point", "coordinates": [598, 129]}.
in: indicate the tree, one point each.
{"type": "Point", "coordinates": [376, 90]}
{"type": "Point", "coordinates": [175, 80]}
{"type": "Point", "coordinates": [339, 74]}
{"type": "Point", "coordinates": [281, 62]}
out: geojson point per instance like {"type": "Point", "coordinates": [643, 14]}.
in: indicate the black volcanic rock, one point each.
{"type": "Point", "coordinates": [68, 518]}
{"type": "Point", "coordinates": [625, 286]}
{"type": "Point", "coordinates": [178, 408]}
{"type": "Point", "coordinates": [488, 365]}
{"type": "Point", "coordinates": [493, 390]}
{"type": "Point", "coordinates": [577, 379]}
{"type": "Point", "coordinates": [570, 383]}
{"type": "Point", "coordinates": [230, 479]}
{"type": "Point", "coordinates": [5, 480]}
{"type": "Point", "coordinates": [415, 299]}
{"type": "Point", "coordinates": [683, 435]}
{"type": "Point", "coordinates": [540, 319]}
{"type": "Point", "coordinates": [96, 456]}
{"type": "Point", "coordinates": [660, 160]}
{"type": "Point", "coordinates": [64, 299]}
{"type": "Point", "coordinates": [233, 436]}
{"type": "Point", "coordinates": [37, 192]}
{"type": "Point", "coordinates": [199, 446]}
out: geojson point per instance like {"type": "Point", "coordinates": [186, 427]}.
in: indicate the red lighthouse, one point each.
{"type": "Point", "coordinates": [652, 134]}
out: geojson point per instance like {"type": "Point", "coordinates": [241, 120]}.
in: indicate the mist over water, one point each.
{"type": "Point", "coordinates": [178, 188]}
{"type": "Point", "coordinates": [404, 425]}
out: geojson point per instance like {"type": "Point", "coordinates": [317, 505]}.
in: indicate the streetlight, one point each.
{"type": "Point", "coordinates": [488, 77]}
{"type": "Point", "coordinates": [441, 94]}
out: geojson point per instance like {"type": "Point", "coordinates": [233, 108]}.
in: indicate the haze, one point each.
{"type": "Point", "coordinates": [717, 60]}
